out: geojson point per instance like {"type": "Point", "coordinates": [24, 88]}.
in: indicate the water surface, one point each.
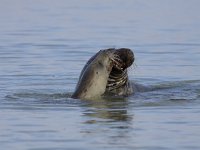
{"type": "Point", "coordinates": [45, 44]}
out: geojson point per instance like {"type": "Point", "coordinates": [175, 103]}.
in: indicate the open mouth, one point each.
{"type": "Point", "coordinates": [123, 59]}
{"type": "Point", "coordinates": [117, 63]}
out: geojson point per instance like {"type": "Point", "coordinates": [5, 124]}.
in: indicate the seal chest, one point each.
{"type": "Point", "coordinates": [96, 82]}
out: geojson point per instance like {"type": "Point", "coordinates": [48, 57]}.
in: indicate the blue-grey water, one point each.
{"type": "Point", "coordinates": [43, 47]}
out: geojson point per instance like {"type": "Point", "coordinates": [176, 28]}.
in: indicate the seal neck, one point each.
{"type": "Point", "coordinates": [117, 79]}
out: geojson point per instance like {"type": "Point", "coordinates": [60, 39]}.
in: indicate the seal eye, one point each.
{"type": "Point", "coordinates": [100, 64]}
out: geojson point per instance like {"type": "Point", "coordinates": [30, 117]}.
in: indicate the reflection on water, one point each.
{"type": "Point", "coordinates": [109, 119]}
{"type": "Point", "coordinates": [43, 47]}
{"type": "Point", "coordinates": [110, 110]}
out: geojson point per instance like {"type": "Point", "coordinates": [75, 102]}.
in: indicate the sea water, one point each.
{"type": "Point", "coordinates": [45, 44]}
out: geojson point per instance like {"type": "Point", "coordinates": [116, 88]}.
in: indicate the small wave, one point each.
{"type": "Point", "coordinates": [175, 84]}
{"type": "Point", "coordinates": [158, 94]}
{"type": "Point", "coordinates": [175, 93]}
{"type": "Point", "coordinates": [28, 98]}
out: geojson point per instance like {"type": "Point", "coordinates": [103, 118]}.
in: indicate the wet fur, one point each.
{"type": "Point", "coordinates": [93, 79]}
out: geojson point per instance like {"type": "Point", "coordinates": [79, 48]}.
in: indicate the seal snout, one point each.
{"type": "Point", "coordinates": [126, 56]}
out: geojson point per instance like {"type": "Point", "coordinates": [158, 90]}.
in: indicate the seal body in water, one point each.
{"type": "Point", "coordinates": [105, 74]}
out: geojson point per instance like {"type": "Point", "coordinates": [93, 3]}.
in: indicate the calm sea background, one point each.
{"type": "Point", "coordinates": [44, 44]}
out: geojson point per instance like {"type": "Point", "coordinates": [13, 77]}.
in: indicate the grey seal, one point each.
{"type": "Point", "coordinates": [105, 73]}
